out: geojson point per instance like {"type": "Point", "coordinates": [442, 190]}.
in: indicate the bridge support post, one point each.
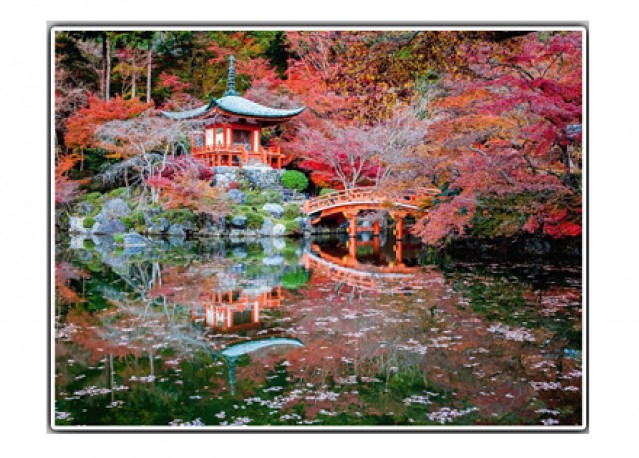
{"type": "Point", "coordinates": [376, 244]}
{"type": "Point", "coordinates": [399, 252]}
{"type": "Point", "coordinates": [399, 230]}
{"type": "Point", "coordinates": [376, 229]}
{"type": "Point", "coordinates": [352, 247]}
{"type": "Point", "coordinates": [352, 223]}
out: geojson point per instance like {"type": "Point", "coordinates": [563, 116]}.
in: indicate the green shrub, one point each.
{"type": "Point", "coordinates": [325, 191]}
{"type": "Point", "coordinates": [88, 222]}
{"type": "Point", "coordinates": [291, 211]}
{"type": "Point", "coordinates": [93, 197]}
{"type": "Point", "coordinates": [256, 198]}
{"type": "Point", "coordinates": [293, 227]}
{"type": "Point", "coordinates": [292, 179]}
{"type": "Point", "coordinates": [119, 238]}
{"type": "Point", "coordinates": [244, 183]}
{"type": "Point", "coordinates": [180, 216]}
{"type": "Point", "coordinates": [118, 192]}
{"type": "Point", "coordinates": [133, 219]}
{"type": "Point", "coordinates": [273, 196]}
{"type": "Point", "coordinates": [254, 220]}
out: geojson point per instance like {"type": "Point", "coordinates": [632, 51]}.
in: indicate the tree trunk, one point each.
{"type": "Point", "coordinates": [148, 73]}
{"type": "Point", "coordinates": [107, 76]}
{"type": "Point", "coordinates": [104, 67]}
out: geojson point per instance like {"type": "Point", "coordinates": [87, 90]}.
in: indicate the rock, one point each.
{"type": "Point", "coordinates": [84, 208]}
{"type": "Point", "coordinates": [176, 230]}
{"type": "Point", "coordinates": [239, 222]}
{"type": "Point", "coordinates": [274, 260]}
{"type": "Point", "coordinates": [275, 210]}
{"type": "Point", "coordinates": [263, 177]}
{"type": "Point", "coordinates": [213, 225]}
{"type": "Point", "coordinates": [304, 222]}
{"type": "Point", "coordinates": [189, 226]}
{"type": "Point", "coordinates": [112, 210]}
{"type": "Point", "coordinates": [133, 239]}
{"type": "Point", "coordinates": [177, 241]}
{"type": "Point", "coordinates": [76, 225]}
{"type": "Point", "coordinates": [236, 195]}
{"type": "Point", "coordinates": [77, 243]}
{"type": "Point", "coordinates": [110, 227]}
{"type": "Point", "coordinates": [149, 214]}
{"type": "Point", "coordinates": [104, 242]}
{"type": "Point", "coordinates": [267, 227]}
{"type": "Point", "coordinates": [267, 245]}
{"type": "Point", "coordinates": [278, 230]}
{"type": "Point", "coordinates": [159, 226]}
{"type": "Point", "coordinates": [279, 244]}
{"type": "Point", "coordinates": [239, 252]}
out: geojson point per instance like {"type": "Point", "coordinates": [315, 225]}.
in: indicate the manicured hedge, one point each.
{"type": "Point", "coordinates": [292, 179]}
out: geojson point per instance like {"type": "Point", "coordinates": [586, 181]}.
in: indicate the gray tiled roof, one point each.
{"type": "Point", "coordinates": [188, 114]}
{"type": "Point", "coordinates": [236, 105]}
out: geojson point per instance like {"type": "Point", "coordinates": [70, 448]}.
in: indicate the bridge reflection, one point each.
{"type": "Point", "coordinates": [365, 264]}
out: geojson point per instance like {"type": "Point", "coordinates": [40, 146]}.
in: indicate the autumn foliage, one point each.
{"type": "Point", "coordinates": [65, 188]}
{"type": "Point", "coordinates": [482, 115]}
{"type": "Point", "coordinates": [82, 126]}
{"type": "Point", "coordinates": [186, 190]}
{"type": "Point", "coordinates": [513, 126]}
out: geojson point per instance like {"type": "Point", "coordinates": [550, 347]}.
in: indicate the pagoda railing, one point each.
{"type": "Point", "coordinates": [236, 156]}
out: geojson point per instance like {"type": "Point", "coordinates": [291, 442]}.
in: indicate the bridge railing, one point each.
{"type": "Point", "coordinates": [352, 195]}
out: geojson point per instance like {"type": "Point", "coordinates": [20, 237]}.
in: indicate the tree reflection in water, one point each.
{"type": "Point", "coordinates": [328, 333]}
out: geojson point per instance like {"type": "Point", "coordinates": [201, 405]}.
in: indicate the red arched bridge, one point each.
{"type": "Point", "coordinates": [351, 201]}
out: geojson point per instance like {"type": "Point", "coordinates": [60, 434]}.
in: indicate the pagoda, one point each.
{"type": "Point", "coordinates": [232, 127]}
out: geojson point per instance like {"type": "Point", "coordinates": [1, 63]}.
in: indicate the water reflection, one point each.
{"type": "Point", "coordinates": [234, 311]}
{"type": "Point", "coordinates": [363, 264]}
{"type": "Point", "coordinates": [326, 331]}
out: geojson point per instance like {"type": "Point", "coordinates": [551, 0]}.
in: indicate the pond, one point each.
{"type": "Point", "coordinates": [314, 332]}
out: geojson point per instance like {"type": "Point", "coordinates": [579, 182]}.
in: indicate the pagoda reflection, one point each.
{"type": "Point", "coordinates": [236, 310]}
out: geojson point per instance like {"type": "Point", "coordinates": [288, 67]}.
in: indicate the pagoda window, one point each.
{"type": "Point", "coordinates": [209, 137]}
{"type": "Point", "coordinates": [219, 136]}
{"type": "Point", "coordinates": [242, 137]}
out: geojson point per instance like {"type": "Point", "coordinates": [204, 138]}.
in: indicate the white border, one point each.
{"type": "Point", "coordinates": [317, 428]}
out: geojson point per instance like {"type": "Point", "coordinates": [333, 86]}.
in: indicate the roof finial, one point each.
{"type": "Point", "coordinates": [230, 82]}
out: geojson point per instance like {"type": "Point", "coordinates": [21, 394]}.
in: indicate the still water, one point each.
{"type": "Point", "coordinates": [311, 332]}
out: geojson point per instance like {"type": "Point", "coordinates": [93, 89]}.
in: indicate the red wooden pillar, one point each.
{"type": "Point", "coordinates": [399, 251]}
{"type": "Point", "coordinates": [376, 245]}
{"type": "Point", "coordinates": [352, 223]}
{"type": "Point", "coordinates": [376, 229]}
{"type": "Point", "coordinates": [399, 230]}
{"type": "Point", "coordinates": [352, 247]}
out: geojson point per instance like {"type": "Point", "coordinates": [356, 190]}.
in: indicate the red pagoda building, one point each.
{"type": "Point", "coordinates": [232, 128]}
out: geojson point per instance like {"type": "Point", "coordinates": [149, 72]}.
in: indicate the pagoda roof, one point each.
{"type": "Point", "coordinates": [237, 106]}
{"type": "Point", "coordinates": [231, 103]}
